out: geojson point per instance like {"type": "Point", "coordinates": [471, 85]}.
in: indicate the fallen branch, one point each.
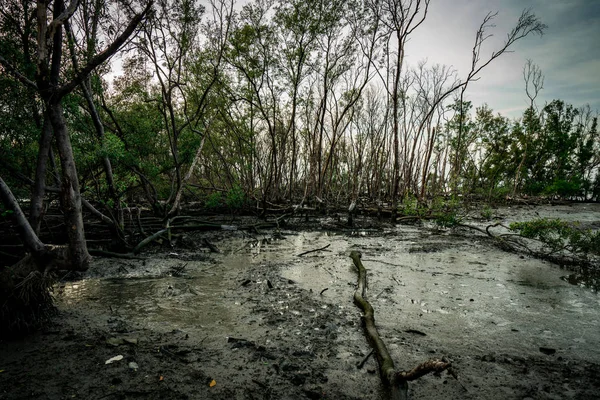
{"type": "Point", "coordinates": [149, 239]}
{"type": "Point", "coordinates": [511, 242]}
{"type": "Point", "coordinates": [396, 381]}
{"type": "Point", "coordinates": [313, 251]}
{"type": "Point", "coordinates": [364, 361]}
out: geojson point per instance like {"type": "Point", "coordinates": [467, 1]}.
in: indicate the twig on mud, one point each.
{"type": "Point", "coordinates": [315, 250]}
{"type": "Point", "coordinates": [323, 291]}
{"type": "Point", "coordinates": [364, 361]}
{"type": "Point", "coordinates": [380, 293]}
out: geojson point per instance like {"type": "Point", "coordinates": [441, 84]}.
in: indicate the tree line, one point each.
{"type": "Point", "coordinates": [267, 103]}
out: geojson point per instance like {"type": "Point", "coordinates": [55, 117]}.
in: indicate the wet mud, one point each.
{"type": "Point", "coordinates": [257, 321]}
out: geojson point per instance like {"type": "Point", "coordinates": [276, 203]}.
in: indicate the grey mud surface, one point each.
{"type": "Point", "coordinates": [260, 322]}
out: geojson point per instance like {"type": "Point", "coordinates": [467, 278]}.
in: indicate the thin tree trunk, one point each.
{"type": "Point", "coordinates": [28, 235]}
{"type": "Point", "coordinates": [39, 184]}
{"type": "Point", "coordinates": [177, 202]}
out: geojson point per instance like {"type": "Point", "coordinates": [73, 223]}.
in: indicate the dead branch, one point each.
{"type": "Point", "coordinates": [509, 242]}
{"type": "Point", "coordinates": [396, 381]}
{"type": "Point", "coordinates": [149, 239]}
{"type": "Point", "coordinates": [427, 367]}
{"type": "Point", "coordinates": [313, 251]}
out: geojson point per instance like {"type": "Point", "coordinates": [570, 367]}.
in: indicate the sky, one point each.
{"type": "Point", "coordinates": [568, 53]}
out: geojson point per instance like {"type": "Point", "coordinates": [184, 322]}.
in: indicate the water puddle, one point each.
{"type": "Point", "coordinates": [469, 293]}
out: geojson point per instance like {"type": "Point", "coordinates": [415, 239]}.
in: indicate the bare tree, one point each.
{"type": "Point", "coordinates": [399, 19]}
{"type": "Point", "coordinates": [527, 24]}
{"type": "Point", "coordinates": [534, 83]}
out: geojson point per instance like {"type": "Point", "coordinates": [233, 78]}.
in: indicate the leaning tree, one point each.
{"type": "Point", "coordinates": [51, 80]}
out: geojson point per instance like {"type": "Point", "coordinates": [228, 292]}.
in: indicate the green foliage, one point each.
{"type": "Point", "coordinates": [447, 220]}
{"type": "Point", "coordinates": [213, 200]}
{"type": "Point", "coordinates": [558, 235]}
{"type": "Point", "coordinates": [564, 188]}
{"type": "Point", "coordinates": [113, 147]}
{"type": "Point", "coordinates": [446, 212]}
{"type": "Point", "coordinates": [235, 198]}
{"type": "Point", "coordinates": [487, 213]}
{"type": "Point", "coordinates": [411, 207]}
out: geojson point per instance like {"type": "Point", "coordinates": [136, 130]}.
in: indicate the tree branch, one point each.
{"type": "Point", "coordinates": [105, 54]}
{"type": "Point", "coordinates": [19, 76]}
{"type": "Point", "coordinates": [58, 21]}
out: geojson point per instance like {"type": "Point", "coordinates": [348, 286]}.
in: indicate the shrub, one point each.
{"type": "Point", "coordinates": [213, 200]}
{"type": "Point", "coordinates": [559, 235]}
{"type": "Point", "coordinates": [235, 198]}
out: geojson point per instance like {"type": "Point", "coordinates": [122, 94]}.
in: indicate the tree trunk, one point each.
{"type": "Point", "coordinates": [39, 185]}
{"type": "Point", "coordinates": [69, 192]}
{"type": "Point", "coordinates": [29, 237]}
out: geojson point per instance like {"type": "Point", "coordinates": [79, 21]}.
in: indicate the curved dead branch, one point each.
{"type": "Point", "coordinates": [396, 381]}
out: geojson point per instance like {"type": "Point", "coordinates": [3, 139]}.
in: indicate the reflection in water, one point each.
{"type": "Point", "coordinates": [193, 300]}
{"type": "Point", "coordinates": [192, 303]}
{"type": "Point", "coordinates": [174, 302]}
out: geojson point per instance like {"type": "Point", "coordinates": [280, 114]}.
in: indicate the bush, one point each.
{"type": "Point", "coordinates": [564, 188]}
{"type": "Point", "coordinates": [213, 200]}
{"type": "Point", "coordinates": [235, 198]}
{"type": "Point", "coordinates": [487, 213]}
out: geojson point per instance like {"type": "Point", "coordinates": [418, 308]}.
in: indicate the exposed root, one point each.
{"type": "Point", "coordinates": [25, 299]}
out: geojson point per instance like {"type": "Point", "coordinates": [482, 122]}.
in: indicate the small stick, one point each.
{"type": "Point", "coordinates": [312, 251]}
{"type": "Point", "coordinates": [364, 361]}
{"type": "Point", "coordinates": [211, 246]}
{"type": "Point", "coordinates": [321, 294]}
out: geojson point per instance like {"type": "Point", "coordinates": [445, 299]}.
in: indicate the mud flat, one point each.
{"type": "Point", "coordinates": [257, 321]}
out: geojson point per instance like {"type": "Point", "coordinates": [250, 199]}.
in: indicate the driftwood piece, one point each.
{"type": "Point", "coordinates": [396, 381]}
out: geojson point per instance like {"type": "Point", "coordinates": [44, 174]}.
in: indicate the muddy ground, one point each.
{"type": "Point", "coordinates": [257, 321]}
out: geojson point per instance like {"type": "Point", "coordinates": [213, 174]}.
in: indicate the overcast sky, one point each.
{"type": "Point", "coordinates": [568, 53]}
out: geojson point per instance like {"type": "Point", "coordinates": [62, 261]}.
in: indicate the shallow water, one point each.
{"type": "Point", "coordinates": [418, 278]}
